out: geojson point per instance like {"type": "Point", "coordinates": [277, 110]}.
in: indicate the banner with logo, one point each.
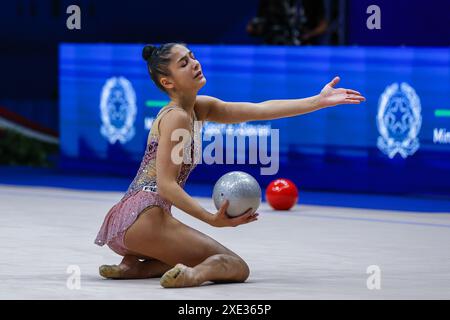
{"type": "Point", "coordinates": [398, 141]}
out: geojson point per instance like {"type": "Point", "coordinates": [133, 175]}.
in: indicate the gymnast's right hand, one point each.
{"type": "Point", "coordinates": [221, 219]}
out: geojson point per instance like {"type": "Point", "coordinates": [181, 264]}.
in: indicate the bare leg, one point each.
{"type": "Point", "coordinates": [132, 268]}
{"type": "Point", "coordinates": [217, 268]}
{"type": "Point", "coordinates": [196, 256]}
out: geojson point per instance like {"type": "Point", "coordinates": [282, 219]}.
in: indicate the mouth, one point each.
{"type": "Point", "coordinates": [198, 75]}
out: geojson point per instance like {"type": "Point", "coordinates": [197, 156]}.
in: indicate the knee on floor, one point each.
{"type": "Point", "coordinates": [244, 270]}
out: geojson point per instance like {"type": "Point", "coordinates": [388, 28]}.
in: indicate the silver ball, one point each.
{"type": "Point", "coordinates": [240, 189]}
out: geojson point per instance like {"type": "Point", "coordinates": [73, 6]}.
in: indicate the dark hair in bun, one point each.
{"type": "Point", "coordinates": [148, 51]}
{"type": "Point", "coordinates": [158, 60]}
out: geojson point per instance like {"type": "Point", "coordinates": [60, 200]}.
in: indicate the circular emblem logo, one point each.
{"type": "Point", "coordinates": [118, 110]}
{"type": "Point", "coordinates": [399, 120]}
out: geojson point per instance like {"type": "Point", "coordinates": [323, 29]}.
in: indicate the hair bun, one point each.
{"type": "Point", "coordinates": [148, 51]}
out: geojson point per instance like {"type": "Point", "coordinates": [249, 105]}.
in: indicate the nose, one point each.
{"type": "Point", "coordinates": [196, 65]}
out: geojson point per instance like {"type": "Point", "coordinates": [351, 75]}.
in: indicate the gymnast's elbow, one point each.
{"type": "Point", "coordinates": [166, 188]}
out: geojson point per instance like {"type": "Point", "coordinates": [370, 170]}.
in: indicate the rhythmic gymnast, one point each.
{"type": "Point", "coordinates": [140, 227]}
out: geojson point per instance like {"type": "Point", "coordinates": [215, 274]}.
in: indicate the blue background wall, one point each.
{"type": "Point", "coordinates": [32, 31]}
{"type": "Point", "coordinates": [333, 149]}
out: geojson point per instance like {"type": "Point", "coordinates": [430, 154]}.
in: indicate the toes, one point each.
{"type": "Point", "coordinates": [110, 271]}
{"type": "Point", "coordinates": [169, 279]}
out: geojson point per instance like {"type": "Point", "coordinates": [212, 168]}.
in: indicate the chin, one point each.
{"type": "Point", "coordinates": [202, 83]}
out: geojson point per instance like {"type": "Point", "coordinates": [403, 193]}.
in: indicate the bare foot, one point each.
{"type": "Point", "coordinates": [131, 269]}
{"type": "Point", "coordinates": [111, 271]}
{"type": "Point", "coordinates": [179, 276]}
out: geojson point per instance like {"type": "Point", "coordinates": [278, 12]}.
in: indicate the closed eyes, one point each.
{"type": "Point", "coordinates": [191, 54]}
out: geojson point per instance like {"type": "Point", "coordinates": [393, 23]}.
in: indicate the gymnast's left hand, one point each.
{"type": "Point", "coordinates": [331, 96]}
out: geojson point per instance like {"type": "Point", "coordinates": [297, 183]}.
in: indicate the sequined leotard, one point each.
{"type": "Point", "coordinates": [142, 192]}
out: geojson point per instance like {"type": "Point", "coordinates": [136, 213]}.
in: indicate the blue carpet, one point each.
{"type": "Point", "coordinates": [27, 176]}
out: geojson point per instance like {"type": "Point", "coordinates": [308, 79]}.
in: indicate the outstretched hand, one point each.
{"type": "Point", "coordinates": [221, 219]}
{"type": "Point", "coordinates": [330, 96]}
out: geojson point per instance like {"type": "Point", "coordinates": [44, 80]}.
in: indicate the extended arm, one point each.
{"type": "Point", "coordinates": [236, 112]}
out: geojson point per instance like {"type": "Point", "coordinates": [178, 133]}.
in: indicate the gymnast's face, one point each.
{"type": "Point", "coordinates": [186, 71]}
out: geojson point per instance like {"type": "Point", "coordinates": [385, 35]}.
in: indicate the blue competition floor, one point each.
{"type": "Point", "coordinates": [26, 176]}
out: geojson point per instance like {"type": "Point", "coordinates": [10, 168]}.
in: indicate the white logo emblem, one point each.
{"type": "Point", "coordinates": [399, 120]}
{"type": "Point", "coordinates": [118, 110]}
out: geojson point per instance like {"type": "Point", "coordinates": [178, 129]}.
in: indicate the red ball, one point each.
{"type": "Point", "coordinates": [282, 194]}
